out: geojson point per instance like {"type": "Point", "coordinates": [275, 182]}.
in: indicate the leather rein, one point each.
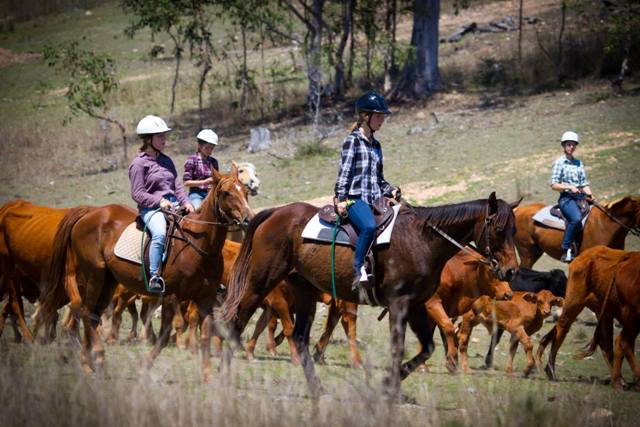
{"type": "Point", "coordinates": [633, 230]}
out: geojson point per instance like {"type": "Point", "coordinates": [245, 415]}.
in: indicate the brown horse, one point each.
{"type": "Point", "coordinates": [606, 281]}
{"type": "Point", "coordinates": [83, 261]}
{"type": "Point", "coordinates": [607, 225]}
{"type": "Point", "coordinates": [26, 242]}
{"type": "Point", "coordinates": [407, 270]}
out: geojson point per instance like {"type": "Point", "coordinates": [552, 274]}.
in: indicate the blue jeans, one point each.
{"type": "Point", "coordinates": [197, 197]}
{"type": "Point", "coordinates": [157, 226]}
{"type": "Point", "coordinates": [361, 216]}
{"type": "Point", "coordinates": [571, 212]}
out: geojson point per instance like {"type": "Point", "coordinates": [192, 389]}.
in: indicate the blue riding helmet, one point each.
{"type": "Point", "coordinates": [372, 102]}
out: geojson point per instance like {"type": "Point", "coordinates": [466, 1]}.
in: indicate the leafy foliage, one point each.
{"type": "Point", "coordinates": [91, 78]}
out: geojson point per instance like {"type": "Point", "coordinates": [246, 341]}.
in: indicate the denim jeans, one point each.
{"type": "Point", "coordinates": [157, 226]}
{"type": "Point", "coordinates": [197, 197]}
{"type": "Point", "coordinates": [571, 212]}
{"type": "Point", "coordinates": [361, 216]}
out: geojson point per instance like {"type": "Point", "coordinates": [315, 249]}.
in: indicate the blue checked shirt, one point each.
{"type": "Point", "coordinates": [360, 175]}
{"type": "Point", "coordinates": [570, 172]}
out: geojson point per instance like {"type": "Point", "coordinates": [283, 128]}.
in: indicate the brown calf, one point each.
{"type": "Point", "coordinates": [522, 317]}
{"type": "Point", "coordinates": [607, 281]}
{"type": "Point", "coordinates": [463, 280]}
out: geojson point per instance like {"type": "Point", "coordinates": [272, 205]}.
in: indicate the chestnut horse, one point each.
{"type": "Point", "coordinates": [407, 270]}
{"type": "Point", "coordinates": [607, 225]}
{"type": "Point", "coordinates": [26, 241]}
{"type": "Point", "coordinates": [83, 261]}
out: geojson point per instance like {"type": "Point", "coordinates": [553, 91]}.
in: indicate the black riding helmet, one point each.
{"type": "Point", "coordinates": [372, 102]}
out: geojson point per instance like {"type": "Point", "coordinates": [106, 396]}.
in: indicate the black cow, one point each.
{"type": "Point", "coordinates": [531, 281]}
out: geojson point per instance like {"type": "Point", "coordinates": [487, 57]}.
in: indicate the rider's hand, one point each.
{"type": "Point", "coordinates": [342, 208]}
{"type": "Point", "coordinates": [165, 204]}
{"type": "Point", "coordinates": [189, 207]}
{"type": "Point", "coordinates": [573, 189]}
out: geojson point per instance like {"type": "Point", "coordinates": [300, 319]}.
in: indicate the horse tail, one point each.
{"type": "Point", "coordinates": [238, 283]}
{"type": "Point", "coordinates": [55, 292]}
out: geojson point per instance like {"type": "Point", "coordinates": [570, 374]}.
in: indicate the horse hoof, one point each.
{"type": "Point", "coordinates": [551, 375]}
{"type": "Point", "coordinates": [452, 368]}
{"type": "Point", "coordinates": [423, 368]}
{"type": "Point", "coordinates": [295, 361]}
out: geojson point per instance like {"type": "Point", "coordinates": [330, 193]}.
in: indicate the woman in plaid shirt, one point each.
{"type": "Point", "coordinates": [569, 177]}
{"type": "Point", "coordinates": [361, 179]}
{"type": "Point", "coordinates": [197, 168]}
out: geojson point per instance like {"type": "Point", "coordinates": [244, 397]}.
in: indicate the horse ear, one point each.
{"type": "Point", "coordinates": [233, 163]}
{"type": "Point", "coordinates": [516, 203]}
{"type": "Point", "coordinates": [234, 169]}
{"type": "Point", "coordinates": [493, 203]}
{"type": "Point", "coordinates": [215, 175]}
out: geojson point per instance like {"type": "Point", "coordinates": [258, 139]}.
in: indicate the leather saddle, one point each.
{"type": "Point", "coordinates": [382, 213]}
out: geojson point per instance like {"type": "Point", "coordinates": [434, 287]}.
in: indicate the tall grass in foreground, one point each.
{"type": "Point", "coordinates": [44, 384]}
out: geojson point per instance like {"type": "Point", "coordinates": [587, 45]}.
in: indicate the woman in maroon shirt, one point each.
{"type": "Point", "coordinates": [155, 185]}
{"type": "Point", "coordinates": [197, 168]}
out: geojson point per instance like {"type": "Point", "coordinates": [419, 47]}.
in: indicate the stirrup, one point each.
{"type": "Point", "coordinates": [156, 284]}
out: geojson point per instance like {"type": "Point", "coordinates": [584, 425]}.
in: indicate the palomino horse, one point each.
{"type": "Point", "coordinates": [607, 225]}
{"type": "Point", "coordinates": [26, 241]}
{"type": "Point", "coordinates": [83, 261]}
{"type": "Point", "coordinates": [407, 270]}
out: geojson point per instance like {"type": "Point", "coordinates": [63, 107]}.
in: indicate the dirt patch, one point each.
{"type": "Point", "coordinates": [8, 58]}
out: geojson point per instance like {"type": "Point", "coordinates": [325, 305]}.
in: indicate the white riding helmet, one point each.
{"type": "Point", "coordinates": [208, 136]}
{"type": "Point", "coordinates": [150, 125]}
{"type": "Point", "coordinates": [569, 136]}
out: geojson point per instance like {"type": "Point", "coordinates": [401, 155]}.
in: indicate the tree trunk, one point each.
{"type": "Point", "coordinates": [243, 90]}
{"type": "Point", "coordinates": [389, 55]}
{"type": "Point", "coordinates": [352, 49]}
{"type": "Point", "coordinates": [421, 75]}
{"type": "Point", "coordinates": [339, 87]}
{"type": "Point", "coordinates": [314, 59]}
{"type": "Point", "coordinates": [178, 57]}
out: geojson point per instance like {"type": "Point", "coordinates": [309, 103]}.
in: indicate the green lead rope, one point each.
{"type": "Point", "coordinates": [144, 231]}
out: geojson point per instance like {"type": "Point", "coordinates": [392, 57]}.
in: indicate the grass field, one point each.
{"type": "Point", "coordinates": [481, 141]}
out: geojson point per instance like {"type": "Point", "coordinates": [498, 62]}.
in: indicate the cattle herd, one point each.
{"type": "Point", "coordinates": [604, 279]}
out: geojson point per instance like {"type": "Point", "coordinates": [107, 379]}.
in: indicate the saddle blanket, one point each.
{"type": "Point", "coordinates": [128, 246]}
{"type": "Point", "coordinates": [544, 217]}
{"type": "Point", "coordinates": [321, 231]}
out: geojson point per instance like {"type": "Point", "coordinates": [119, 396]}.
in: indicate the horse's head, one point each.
{"type": "Point", "coordinates": [248, 176]}
{"type": "Point", "coordinates": [494, 237]}
{"type": "Point", "coordinates": [626, 210]}
{"type": "Point", "coordinates": [231, 197]}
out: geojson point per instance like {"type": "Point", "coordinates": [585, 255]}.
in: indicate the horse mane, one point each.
{"type": "Point", "coordinates": [238, 282]}
{"type": "Point", "coordinates": [455, 213]}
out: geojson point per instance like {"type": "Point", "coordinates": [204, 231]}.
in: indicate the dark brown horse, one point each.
{"type": "Point", "coordinates": [407, 270]}
{"type": "Point", "coordinates": [607, 225]}
{"type": "Point", "coordinates": [83, 261]}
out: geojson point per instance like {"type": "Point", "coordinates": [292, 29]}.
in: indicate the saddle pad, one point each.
{"type": "Point", "coordinates": [321, 231]}
{"type": "Point", "coordinates": [128, 245]}
{"type": "Point", "coordinates": [544, 217]}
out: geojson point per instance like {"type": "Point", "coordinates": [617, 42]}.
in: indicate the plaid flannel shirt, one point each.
{"type": "Point", "coordinates": [195, 169]}
{"type": "Point", "coordinates": [361, 175]}
{"type": "Point", "coordinates": [570, 172]}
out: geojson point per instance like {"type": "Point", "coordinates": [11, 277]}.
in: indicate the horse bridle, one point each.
{"type": "Point", "coordinates": [485, 258]}
{"type": "Point", "coordinates": [229, 222]}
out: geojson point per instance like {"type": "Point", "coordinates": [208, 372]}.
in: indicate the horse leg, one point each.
{"type": "Point", "coordinates": [330, 323]}
{"type": "Point", "coordinates": [349, 320]}
{"type": "Point", "coordinates": [272, 341]}
{"type": "Point", "coordinates": [436, 311]}
{"type": "Point", "coordinates": [262, 323]}
{"type": "Point", "coordinates": [133, 312]}
{"type": "Point", "coordinates": [305, 313]}
{"type": "Point", "coordinates": [168, 310]}
{"type": "Point", "coordinates": [495, 339]}
{"type": "Point", "coordinates": [469, 321]}
{"type": "Point", "coordinates": [630, 354]}
{"type": "Point", "coordinates": [556, 336]}
{"type": "Point", "coordinates": [398, 315]}
{"type": "Point", "coordinates": [146, 314]}
{"type": "Point", "coordinates": [193, 319]}
{"type": "Point", "coordinates": [205, 310]}
{"type": "Point", "coordinates": [420, 325]}
{"type": "Point", "coordinates": [180, 326]}
{"type": "Point", "coordinates": [281, 308]}
{"type": "Point", "coordinates": [513, 348]}
{"type": "Point", "coordinates": [116, 320]}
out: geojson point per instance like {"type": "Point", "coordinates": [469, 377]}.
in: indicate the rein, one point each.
{"type": "Point", "coordinates": [633, 230]}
